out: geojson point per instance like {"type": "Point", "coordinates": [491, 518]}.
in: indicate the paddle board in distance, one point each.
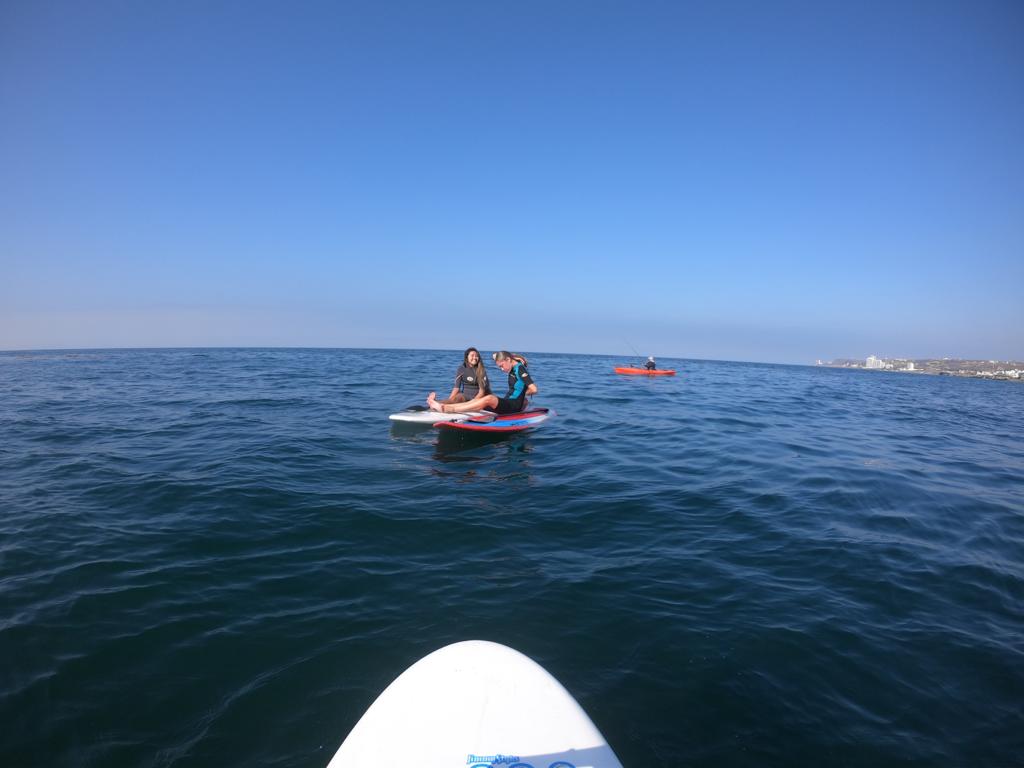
{"type": "Point", "coordinates": [420, 414]}
{"type": "Point", "coordinates": [506, 422]}
{"type": "Point", "coordinates": [475, 704]}
{"type": "Point", "coordinates": [644, 372]}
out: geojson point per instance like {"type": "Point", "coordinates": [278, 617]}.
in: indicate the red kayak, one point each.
{"type": "Point", "coordinates": [645, 372]}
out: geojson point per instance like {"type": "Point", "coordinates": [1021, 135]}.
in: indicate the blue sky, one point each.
{"type": "Point", "coordinates": [775, 182]}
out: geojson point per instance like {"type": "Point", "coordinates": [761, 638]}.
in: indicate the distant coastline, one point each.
{"type": "Point", "coordinates": [1006, 370]}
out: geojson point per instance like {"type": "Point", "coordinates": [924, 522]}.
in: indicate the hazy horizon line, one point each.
{"type": "Point", "coordinates": [18, 350]}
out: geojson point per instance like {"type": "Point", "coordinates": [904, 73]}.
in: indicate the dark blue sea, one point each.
{"type": "Point", "coordinates": [221, 557]}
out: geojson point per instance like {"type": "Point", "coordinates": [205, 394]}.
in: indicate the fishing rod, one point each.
{"type": "Point", "coordinates": [633, 348]}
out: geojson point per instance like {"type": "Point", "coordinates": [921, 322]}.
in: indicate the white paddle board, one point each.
{"type": "Point", "coordinates": [419, 414]}
{"type": "Point", "coordinates": [475, 704]}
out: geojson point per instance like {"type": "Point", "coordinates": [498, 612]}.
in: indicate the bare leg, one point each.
{"type": "Point", "coordinates": [476, 404]}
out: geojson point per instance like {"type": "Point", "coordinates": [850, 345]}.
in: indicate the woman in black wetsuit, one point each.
{"type": "Point", "coordinates": [470, 379]}
{"type": "Point", "coordinates": [520, 386]}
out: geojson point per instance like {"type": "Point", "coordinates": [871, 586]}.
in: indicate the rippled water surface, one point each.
{"type": "Point", "coordinates": [221, 557]}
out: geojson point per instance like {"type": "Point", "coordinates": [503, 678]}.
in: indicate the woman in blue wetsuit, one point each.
{"type": "Point", "coordinates": [470, 379]}
{"type": "Point", "coordinates": [520, 386]}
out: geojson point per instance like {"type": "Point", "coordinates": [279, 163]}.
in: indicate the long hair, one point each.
{"type": "Point", "coordinates": [506, 355]}
{"type": "Point", "coordinates": [481, 372]}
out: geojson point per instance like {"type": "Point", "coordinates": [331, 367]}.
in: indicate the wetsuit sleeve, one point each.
{"type": "Point", "coordinates": [518, 381]}
{"type": "Point", "coordinates": [459, 378]}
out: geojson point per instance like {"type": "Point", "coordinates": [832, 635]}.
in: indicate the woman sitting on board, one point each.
{"type": "Point", "coordinates": [520, 386]}
{"type": "Point", "coordinates": [470, 379]}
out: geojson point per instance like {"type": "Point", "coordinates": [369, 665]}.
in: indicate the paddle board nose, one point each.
{"type": "Point", "coordinates": [476, 704]}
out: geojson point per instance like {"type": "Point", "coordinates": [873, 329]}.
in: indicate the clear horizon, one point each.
{"type": "Point", "coordinates": [727, 181]}
{"type": "Point", "coordinates": [625, 356]}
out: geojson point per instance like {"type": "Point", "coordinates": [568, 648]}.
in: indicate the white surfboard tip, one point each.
{"type": "Point", "coordinates": [475, 704]}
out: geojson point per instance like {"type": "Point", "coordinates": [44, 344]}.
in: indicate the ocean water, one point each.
{"type": "Point", "coordinates": [221, 557]}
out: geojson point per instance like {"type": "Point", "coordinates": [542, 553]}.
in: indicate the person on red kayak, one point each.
{"type": "Point", "coordinates": [650, 365]}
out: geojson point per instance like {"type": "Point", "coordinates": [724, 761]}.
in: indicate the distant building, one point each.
{"type": "Point", "coordinates": [910, 366]}
{"type": "Point", "coordinates": [874, 362]}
